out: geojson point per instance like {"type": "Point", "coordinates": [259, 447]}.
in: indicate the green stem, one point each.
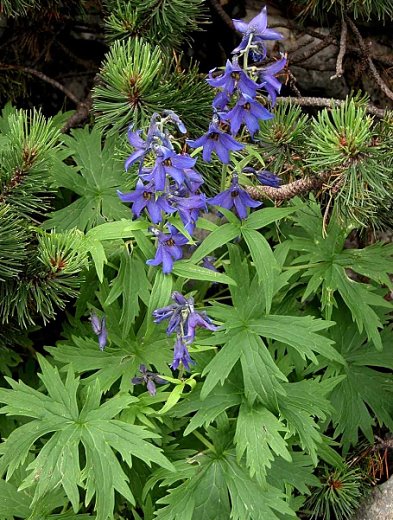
{"type": "Point", "coordinates": [223, 177]}
{"type": "Point", "coordinates": [204, 441]}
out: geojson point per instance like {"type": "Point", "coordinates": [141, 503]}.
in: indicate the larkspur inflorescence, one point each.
{"type": "Point", "coordinates": [183, 320]}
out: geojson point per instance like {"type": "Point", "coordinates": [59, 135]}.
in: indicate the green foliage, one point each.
{"type": "Point", "coordinates": [138, 79]}
{"type": "Point", "coordinates": [166, 24]}
{"type": "Point", "coordinates": [363, 397]}
{"type": "Point", "coordinates": [50, 279]}
{"type": "Point", "coordinates": [363, 9]}
{"type": "Point", "coordinates": [91, 425]}
{"type": "Point", "coordinates": [338, 496]}
{"type": "Point", "coordinates": [299, 367]}
{"type": "Point", "coordinates": [344, 142]}
{"type": "Point", "coordinates": [285, 138]}
{"type": "Point", "coordinates": [12, 246]}
{"type": "Point", "coordinates": [325, 264]}
{"type": "Point", "coordinates": [28, 147]}
{"type": "Point", "coordinates": [94, 177]}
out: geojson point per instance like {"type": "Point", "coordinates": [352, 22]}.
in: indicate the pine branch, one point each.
{"type": "Point", "coordinates": [288, 191]}
{"type": "Point", "coordinates": [342, 51]}
{"type": "Point", "coordinates": [43, 77]}
{"type": "Point", "coordinates": [363, 47]}
{"type": "Point", "coordinates": [330, 103]}
{"type": "Point", "coordinates": [80, 115]}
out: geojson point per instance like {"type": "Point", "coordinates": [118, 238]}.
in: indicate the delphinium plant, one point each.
{"type": "Point", "coordinates": [226, 349]}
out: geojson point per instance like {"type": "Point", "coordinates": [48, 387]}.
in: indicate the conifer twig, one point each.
{"type": "Point", "coordinates": [80, 115]}
{"type": "Point", "coordinates": [43, 77]}
{"type": "Point", "coordinates": [328, 40]}
{"type": "Point", "coordinates": [288, 191]}
{"type": "Point", "coordinates": [329, 103]}
{"type": "Point", "coordinates": [363, 47]}
{"type": "Point", "coordinates": [342, 51]}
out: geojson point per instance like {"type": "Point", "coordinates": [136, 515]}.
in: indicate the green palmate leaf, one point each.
{"type": "Point", "coordinates": [299, 333]}
{"type": "Point", "coordinates": [251, 501]}
{"type": "Point", "coordinates": [325, 264]}
{"type": "Point", "coordinates": [262, 378]}
{"type": "Point", "coordinates": [222, 364]}
{"type": "Point", "coordinates": [92, 426]}
{"type": "Point", "coordinates": [13, 502]}
{"type": "Point", "coordinates": [95, 178]}
{"type": "Point", "coordinates": [121, 362]}
{"type": "Point", "coordinates": [218, 488]}
{"type": "Point", "coordinates": [258, 435]}
{"type": "Point", "coordinates": [365, 394]}
{"type": "Point", "coordinates": [216, 239]}
{"type": "Point", "coordinates": [297, 472]}
{"type": "Point", "coordinates": [204, 495]}
{"type": "Point", "coordinates": [303, 401]}
{"type": "Point", "coordinates": [186, 269]}
{"type": "Point", "coordinates": [160, 296]}
{"type": "Point", "coordinates": [131, 284]}
{"type": "Point", "coordinates": [264, 261]}
{"type": "Point", "coordinates": [109, 231]}
{"type": "Point", "coordinates": [212, 406]}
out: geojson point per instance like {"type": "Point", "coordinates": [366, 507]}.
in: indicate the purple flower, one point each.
{"type": "Point", "coordinates": [233, 77]}
{"type": "Point", "coordinates": [181, 354]}
{"type": "Point", "coordinates": [268, 179]}
{"type": "Point", "coordinates": [207, 263]}
{"type": "Point", "coordinates": [141, 147]}
{"type": "Point", "coordinates": [197, 319]}
{"type": "Point", "coordinates": [235, 196]}
{"type": "Point", "coordinates": [192, 180]}
{"type": "Point", "coordinates": [169, 249]}
{"type": "Point", "coordinates": [172, 312]}
{"type": "Point", "coordinates": [144, 197]}
{"type": "Point", "coordinates": [215, 140]}
{"type": "Point", "coordinates": [169, 163]}
{"type": "Point", "coordinates": [170, 114]}
{"type": "Point", "coordinates": [148, 378]}
{"type": "Point", "coordinates": [99, 328]}
{"type": "Point", "coordinates": [221, 100]}
{"type": "Point", "coordinates": [257, 27]}
{"type": "Point", "coordinates": [189, 208]}
{"type": "Point", "coordinates": [264, 177]}
{"type": "Point", "coordinates": [271, 83]}
{"type": "Point", "coordinates": [249, 112]}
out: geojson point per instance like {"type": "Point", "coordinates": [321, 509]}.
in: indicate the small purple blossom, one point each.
{"type": "Point", "coordinates": [189, 209]}
{"type": "Point", "coordinates": [99, 328]}
{"type": "Point", "coordinates": [143, 197]}
{"type": "Point", "coordinates": [169, 249]}
{"type": "Point", "coordinates": [181, 354]}
{"type": "Point", "coordinates": [249, 112]}
{"type": "Point", "coordinates": [148, 378]}
{"type": "Point", "coordinates": [141, 147]}
{"type": "Point", "coordinates": [268, 80]}
{"type": "Point", "coordinates": [221, 100]}
{"type": "Point", "coordinates": [233, 77]}
{"type": "Point", "coordinates": [197, 319]}
{"type": "Point", "coordinates": [235, 196]}
{"type": "Point", "coordinates": [257, 29]}
{"type": "Point", "coordinates": [183, 320]}
{"type": "Point", "coordinates": [170, 114]}
{"type": "Point", "coordinates": [215, 140]}
{"type": "Point", "coordinates": [169, 163]}
{"type": "Point", "coordinates": [207, 263]}
{"type": "Point", "coordinates": [264, 177]}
